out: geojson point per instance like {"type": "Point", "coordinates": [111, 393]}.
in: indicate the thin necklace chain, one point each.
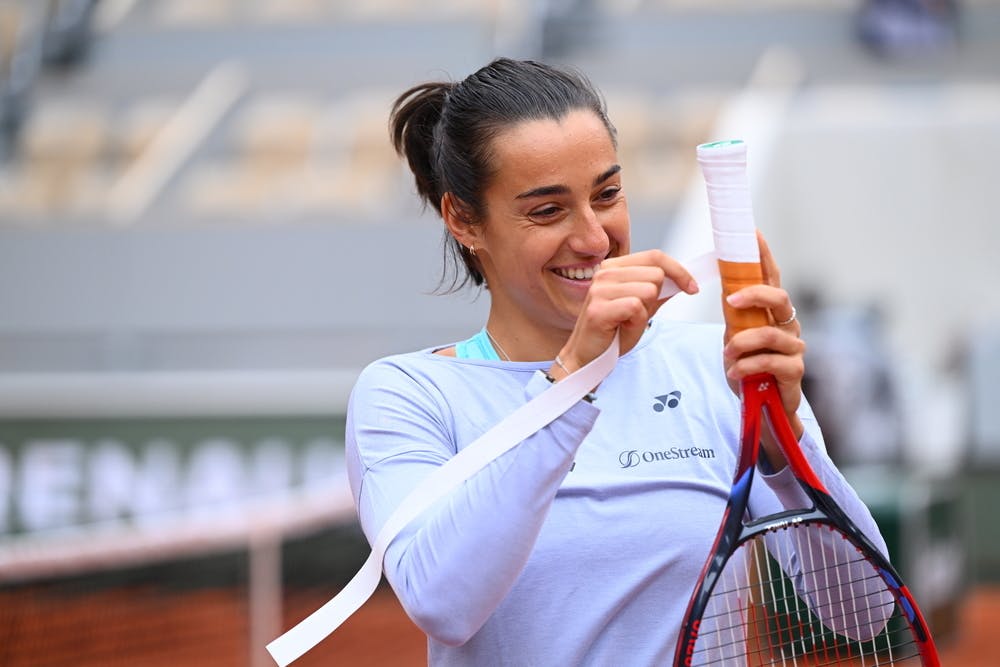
{"type": "Point", "coordinates": [493, 340]}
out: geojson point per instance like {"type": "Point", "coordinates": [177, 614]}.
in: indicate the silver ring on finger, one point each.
{"type": "Point", "coordinates": [791, 318]}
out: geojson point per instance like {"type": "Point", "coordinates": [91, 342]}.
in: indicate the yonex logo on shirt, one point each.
{"type": "Point", "coordinates": [630, 458]}
{"type": "Point", "coordinates": [671, 400]}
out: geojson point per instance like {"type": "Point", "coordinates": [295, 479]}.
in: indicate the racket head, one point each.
{"type": "Point", "coordinates": [844, 603]}
{"type": "Point", "coordinates": [851, 613]}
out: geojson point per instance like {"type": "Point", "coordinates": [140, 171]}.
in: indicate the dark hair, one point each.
{"type": "Point", "coordinates": [445, 131]}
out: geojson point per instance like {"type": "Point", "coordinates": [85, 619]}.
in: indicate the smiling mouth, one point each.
{"type": "Point", "coordinates": [577, 273]}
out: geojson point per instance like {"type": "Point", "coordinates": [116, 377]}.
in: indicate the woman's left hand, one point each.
{"type": "Point", "coordinates": [775, 348]}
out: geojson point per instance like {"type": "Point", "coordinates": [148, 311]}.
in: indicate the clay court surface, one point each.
{"type": "Point", "coordinates": [142, 627]}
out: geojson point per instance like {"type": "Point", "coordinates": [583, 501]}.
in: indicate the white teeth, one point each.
{"type": "Point", "coordinates": [577, 273]}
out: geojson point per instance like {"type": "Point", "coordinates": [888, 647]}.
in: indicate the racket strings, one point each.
{"type": "Point", "coordinates": [791, 602]}
{"type": "Point", "coordinates": [835, 609]}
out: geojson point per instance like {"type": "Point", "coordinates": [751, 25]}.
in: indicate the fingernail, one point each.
{"type": "Point", "coordinates": [735, 299]}
{"type": "Point", "coordinates": [692, 287]}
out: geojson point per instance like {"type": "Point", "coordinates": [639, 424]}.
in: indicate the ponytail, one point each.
{"type": "Point", "coordinates": [415, 115]}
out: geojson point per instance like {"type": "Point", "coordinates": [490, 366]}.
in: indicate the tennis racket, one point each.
{"type": "Point", "coordinates": [801, 587]}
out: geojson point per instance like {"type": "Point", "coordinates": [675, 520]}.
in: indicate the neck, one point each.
{"type": "Point", "coordinates": [524, 343]}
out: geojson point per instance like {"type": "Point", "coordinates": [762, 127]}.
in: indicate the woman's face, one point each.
{"type": "Point", "coordinates": [554, 210]}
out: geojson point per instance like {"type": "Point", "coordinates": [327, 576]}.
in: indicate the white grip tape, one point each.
{"type": "Point", "coordinates": [730, 220]}
{"type": "Point", "coordinates": [739, 247]}
{"type": "Point", "coordinates": [515, 428]}
{"type": "Point", "coordinates": [724, 166]}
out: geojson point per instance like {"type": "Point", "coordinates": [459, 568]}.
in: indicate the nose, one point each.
{"type": "Point", "coordinates": [589, 236]}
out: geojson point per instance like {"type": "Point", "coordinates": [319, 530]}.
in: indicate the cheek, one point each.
{"type": "Point", "coordinates": [537, 248]}
{"type": "Point", "coordinates": [619, 227]}
{"type": "Point", "coordinates": [520, 263]}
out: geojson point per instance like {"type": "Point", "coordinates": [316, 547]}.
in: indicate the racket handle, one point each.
{"type": "Point", "coordinates": [724, 165]}
{"type": "Point", "coordinates": [735, 276]}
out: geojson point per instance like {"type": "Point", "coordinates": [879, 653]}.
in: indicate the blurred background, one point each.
{"type": "Point", "coordinates": [205, 235]}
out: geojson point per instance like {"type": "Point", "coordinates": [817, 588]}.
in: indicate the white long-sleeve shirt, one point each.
{"type": "Point", "coordinates": [581, 545]}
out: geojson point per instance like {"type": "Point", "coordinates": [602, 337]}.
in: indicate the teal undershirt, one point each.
{"type": "Point", "coordinates": [477, 347]}
{"type": "Point", "coordinates": [480, 347]}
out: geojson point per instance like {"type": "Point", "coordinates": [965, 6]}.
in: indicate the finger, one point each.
{"type": "Point", "coordinates": [676, 272]}
{"type": "Point", "coordinates": [624, 273]}
{"type": "Point", "coordinates": [763, 340]}
{"type": "Point", "coordinates": [791, 321]}
{"type": "Point", "coordinates": [769, 266]}
{"type": "Point", "coordinates": [786, 368]}
{"type": "Point", "coordinates": [599, 322]}
{"type": "Point", "coordinates": [631, 330]}
{"type": "Point", "coordinates": [646, 292]}
{"type": "Point", "coordinates": [670, 267]}
{"type": "Point", "coordinates": [651, 283]}
{"type": "Point", "coordinates": [762, 296]}
{"type": "Point", "coordinates": [784, 315]}
{"type": "Point", "coordinates": [788, 371]}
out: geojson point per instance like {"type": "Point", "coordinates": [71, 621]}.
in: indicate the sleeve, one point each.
{"type": "Point", "coordinates": [452, 566]}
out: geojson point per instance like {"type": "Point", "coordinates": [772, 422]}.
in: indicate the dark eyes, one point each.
{"type": "Point", "coordinates": [609, 193]}
{"type": "Point", "coordinates": [606, 196]}
{"type": "Point", "coordinates": [546, 212]}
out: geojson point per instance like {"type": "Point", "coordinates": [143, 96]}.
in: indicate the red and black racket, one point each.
{"type": "Point", "coordinates": [801, 587]}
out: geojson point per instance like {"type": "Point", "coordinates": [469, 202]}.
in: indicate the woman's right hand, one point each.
{"type": "Point", "coordinates": [623, 296]}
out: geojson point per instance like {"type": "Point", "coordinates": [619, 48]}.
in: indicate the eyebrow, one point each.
{"type": "Point", "coordinates": [547, 190]}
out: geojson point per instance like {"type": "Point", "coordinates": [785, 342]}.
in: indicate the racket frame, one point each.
{"type": "Point", "coordinates": [761, 402]}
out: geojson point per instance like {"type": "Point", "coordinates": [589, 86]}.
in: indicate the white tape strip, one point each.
{"type": "Point", "coordinates": [517, 427]}
{"type": "Point", "coordinates": [704, 268]}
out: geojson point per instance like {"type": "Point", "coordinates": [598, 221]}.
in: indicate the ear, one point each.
{"type": "Point", "coordinates": [458, 218]}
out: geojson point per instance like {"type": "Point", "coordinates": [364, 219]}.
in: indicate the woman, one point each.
{"type": "Point", "coordinates": [582, 544]}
